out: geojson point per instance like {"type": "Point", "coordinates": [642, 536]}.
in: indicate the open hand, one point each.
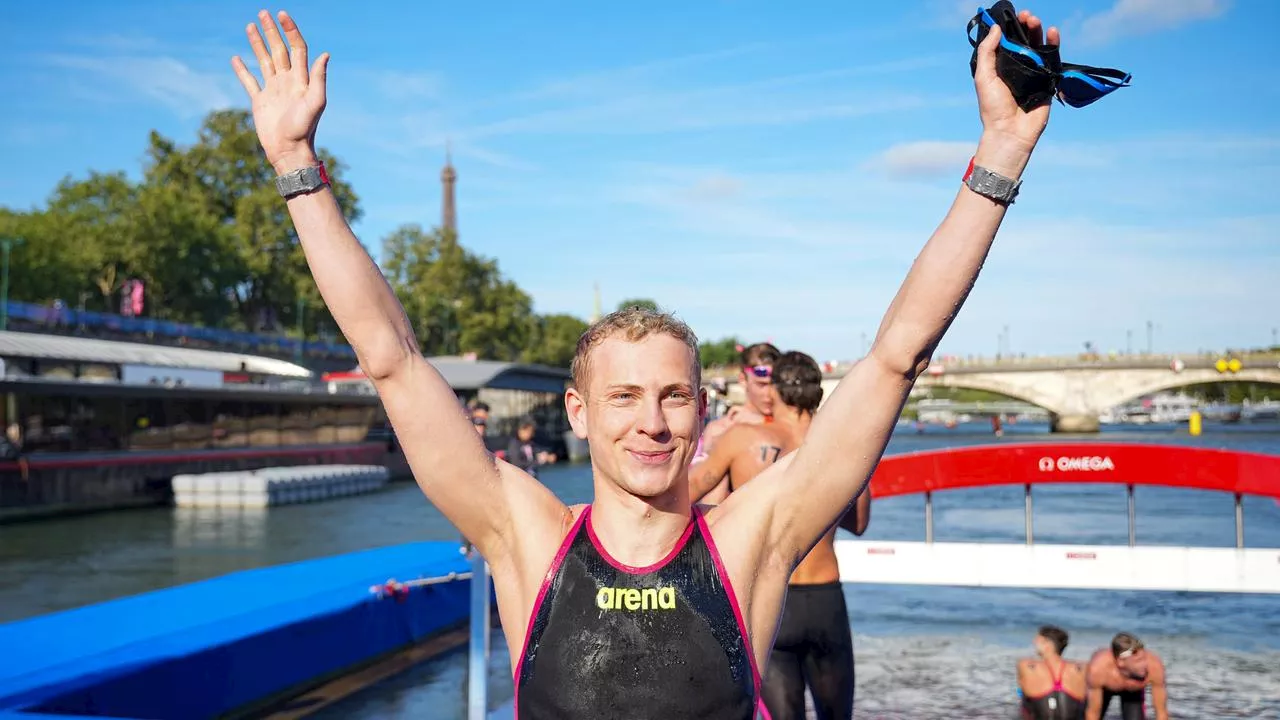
{"type": "Point", "coordinates": [1001, 116]}
{"type": "Point", "coordinates": [287, 107]}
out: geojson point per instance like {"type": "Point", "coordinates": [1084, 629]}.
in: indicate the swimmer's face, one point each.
{"type": "Point", "coordinates": [641, 414]}
{"type": "Point", "coordinates": [759, 391]}
{"type": "Point", "coordinates": [1042, 645]}
{"type": "Point", "coordinates": [1135, 665]}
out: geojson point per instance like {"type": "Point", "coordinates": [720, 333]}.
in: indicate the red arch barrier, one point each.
{"type": "Point", "coordinates": [1041, 463]}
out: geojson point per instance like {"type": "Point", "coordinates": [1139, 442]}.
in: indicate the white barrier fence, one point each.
{"type": "Point", "coordinates": [1100, 567]}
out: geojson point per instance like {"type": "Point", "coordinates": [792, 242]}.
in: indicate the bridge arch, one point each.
{"type": "Point", "coordinates": [1263, 376]}
{"type": "Point", "coordinates": [989, 383]}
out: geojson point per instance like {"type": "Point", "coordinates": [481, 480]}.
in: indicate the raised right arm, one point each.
{"type": "Point", "coordinates": [449, 461]}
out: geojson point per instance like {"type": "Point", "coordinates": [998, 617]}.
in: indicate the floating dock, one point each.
{"type": "Point", "coordinates": [274, 486]}
{"type": "Point", "coordinates": [241, 642]}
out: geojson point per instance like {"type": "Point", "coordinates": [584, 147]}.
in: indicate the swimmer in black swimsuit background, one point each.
{"type": "Point", "coordinates": [1126, 670]}
{"type": "Point", "coordinates": [1052, 687]}
{"type": "Point", "coordinates": [814, 645]}
{"type": "Point", "coordinates": [678, 605]}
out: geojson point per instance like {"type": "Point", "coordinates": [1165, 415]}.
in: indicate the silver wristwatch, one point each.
{"type": "Point", "coordinates": [302, 180]}
{"type": "Point", "coordinates": [992, 185]}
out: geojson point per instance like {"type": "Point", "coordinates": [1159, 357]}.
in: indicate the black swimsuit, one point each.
{"type": "Point", "coordinates": [813, 649]}
{"type": "Point", "coordinates": [1057, 704]}
{"type": "Point", "coordinates": [606, 640]}
{"type": "Point", "coordinates": [1133, 703]}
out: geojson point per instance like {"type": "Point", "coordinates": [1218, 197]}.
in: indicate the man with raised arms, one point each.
{"type": "Point", "coordinates": [640, 604]}
{"type": "Point", "coordinates": [1125, 671]}
{"type": "Point", "coordinates": [814, 644]}
{"type": "Point", "coordinates": [754, 378]}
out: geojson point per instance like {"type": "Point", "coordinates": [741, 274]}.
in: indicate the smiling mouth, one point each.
{"type": "Point", "coordinates": [651, 457]}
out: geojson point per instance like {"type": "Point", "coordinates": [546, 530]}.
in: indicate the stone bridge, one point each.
{"type": "Point", "coordinates": [1076, 392]}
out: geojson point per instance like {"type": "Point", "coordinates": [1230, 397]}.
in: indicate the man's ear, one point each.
{"type": "Point", "coordinates": [575, 406]}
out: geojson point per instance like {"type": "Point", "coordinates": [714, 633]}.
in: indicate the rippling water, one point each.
{"type": "Point", "coordinates": [922, 652]}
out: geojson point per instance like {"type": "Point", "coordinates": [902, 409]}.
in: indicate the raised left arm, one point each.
{"type": "Point", "coordinates": [849, 434]}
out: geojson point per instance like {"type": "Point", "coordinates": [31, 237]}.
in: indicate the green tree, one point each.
{"type": "Point", "coordinates": [78, 242]}
{"type": "Point", "coordinates": [243, 242]}
{"type": "Point", "coordinates": [719, 353]}
{"type": "Point", "coordinates": [645, 303]}
{"type": "Point", "coordinates": [205, 229]}
{"type": "Point", "coordinates": [555, 340]}
{"type": "Point", "coordinates": [457, 301]}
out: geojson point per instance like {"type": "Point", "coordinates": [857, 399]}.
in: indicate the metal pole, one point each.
{"type": "Point", "coordinates": [6, 244]}
{"type": "Point", "coordinates": [928, 516]}
{"type": "Point", "coordinates": [1239, 522]}
{"type": "Point", "coordinates": [1028, 494]}
{"type": "Point", "coordinates": [302, 338]}
{"type": "Point", "coordinates": [1133, 519]}
{"type": "Point", "coordinates": [478, 672]}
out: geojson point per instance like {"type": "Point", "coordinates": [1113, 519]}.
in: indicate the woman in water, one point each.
{"type": "Point", "coordinates": [1051, 688]}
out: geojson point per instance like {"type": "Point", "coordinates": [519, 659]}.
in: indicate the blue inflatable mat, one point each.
{"type": "Point", "coordinates": [203, 649]}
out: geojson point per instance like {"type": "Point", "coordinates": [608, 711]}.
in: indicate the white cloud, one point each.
{"type": "Point", "coordinates": [695, 110]}
{"type": "Point", "coordinates": [1136, 17]}
{"type": "Point", "coordinates": [612, 80]}
{"type": "Point", "coordinates": [815, 258]}
{"type": "Point", "coordinates": [164, 80]}
{"type": "Point", "coordinates": [595, 107]}
{"type": "Point", "coordinates": [402, 86]}
{"type": "Point", "coordinates": [952, 14]}
{"type": "Point", "coordinates": [923, 159]}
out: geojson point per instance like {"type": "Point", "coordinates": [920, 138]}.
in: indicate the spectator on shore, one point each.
{"type": "Point", "coordinates": [523, 452]}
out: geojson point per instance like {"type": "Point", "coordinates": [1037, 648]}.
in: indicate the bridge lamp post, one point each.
{"type": "Point", "coordinates": [302, 337]}
{"type": "Point", "coordinates": [6, 246]}
{"type": "Point", "coordinates": [1128, 342]}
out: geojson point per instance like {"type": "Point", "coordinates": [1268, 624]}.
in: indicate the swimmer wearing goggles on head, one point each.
{"type": "Point", "coordinates": [755, 379]}
{"type": "Point", "coordinates": [1126, 670]}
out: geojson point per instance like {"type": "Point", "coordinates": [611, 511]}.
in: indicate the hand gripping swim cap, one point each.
{"type": "Point", "coordinates": [1035, 74]}
{"type": "Point", "coordinates": [1028, 70]}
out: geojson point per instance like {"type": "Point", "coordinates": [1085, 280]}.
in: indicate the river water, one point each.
{"type": "Point", "coordinates": [922, 652]}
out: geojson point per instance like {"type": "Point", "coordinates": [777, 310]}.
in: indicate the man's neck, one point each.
{"type": "Point", "coordinates": [639, 531]}
{"type": "Point", "coordinates": [791, 419]}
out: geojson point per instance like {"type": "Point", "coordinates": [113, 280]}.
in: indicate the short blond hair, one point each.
{"type": "Point", "coordinates": [633, 324]}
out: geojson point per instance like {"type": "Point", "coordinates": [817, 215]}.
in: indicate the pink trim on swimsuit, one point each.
{"type": "Point", "coordinates": [1057, 684]}
{"type": "Point", "coordinates": [537, 604]}
{"type": "Point", "coordinates": [737, 609]}
{"type": "Point", "coordinates": [619, 565]}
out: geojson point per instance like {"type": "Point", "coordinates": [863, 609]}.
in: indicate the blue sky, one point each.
{"type": "Point", "coordinates": [765, 172]}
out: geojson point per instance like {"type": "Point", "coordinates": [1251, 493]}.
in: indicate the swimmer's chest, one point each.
{"type": "Point", "coordinates": [661, 642]}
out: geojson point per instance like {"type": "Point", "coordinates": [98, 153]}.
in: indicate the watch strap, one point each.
{"type": "Point", "coordinates": [991, 185]}
{"type": "Point", "coordinates": [303, 180]}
